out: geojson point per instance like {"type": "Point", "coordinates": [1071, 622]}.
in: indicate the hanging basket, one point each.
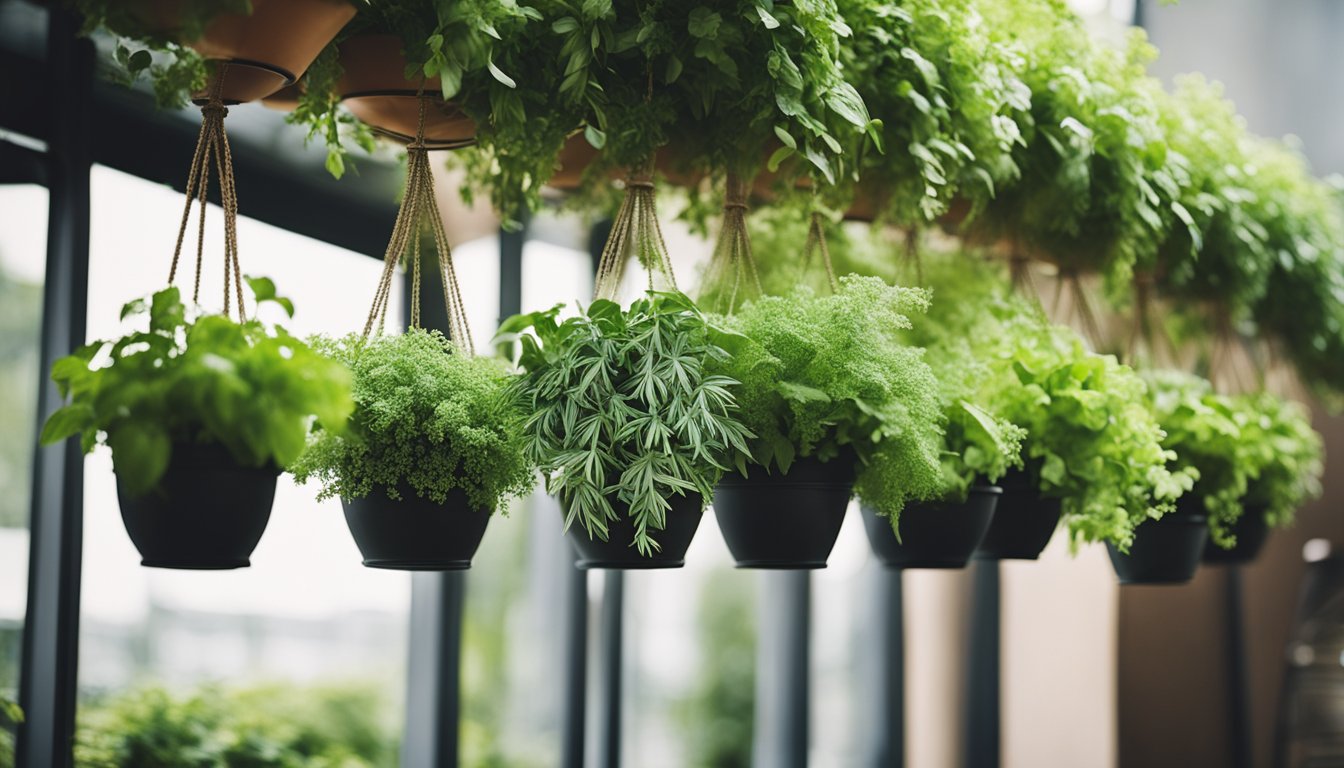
{"type": "Point", "coordinates": [1023, 523]}
{"type": "Point", "coordinates": [1251, 530]}
{"type": "Point", "coordinates": [414, 533]}
{"type": "Point", "coordinates": [933, 535]}
{"type": "Point", "coordinates": [785, 522]}
{"type": "Point", "coordinates": [617, 551]}
{"type": "Point", "coordinates": [1167, 550]}
{"type": "Point", "coordinates": [266, 50]}
{"type": "Point", "coordinates": [207, 513]}
{"type": "Point", "coordinates": [373, 86]}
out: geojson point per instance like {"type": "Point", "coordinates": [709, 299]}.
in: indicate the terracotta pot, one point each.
{"type": "Point", "coordinates": [284, 100]}
{"type": "Point", "coordinates": [375, 89]}
{"type": "Point", "coordinates": [267, 50]}
{"type": "Point", "coordinates": [577, 154]}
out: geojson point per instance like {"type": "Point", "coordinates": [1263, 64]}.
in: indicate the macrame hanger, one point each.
{"type": "Point", "coordinates": [1079, 312]}
{"type": "Point", "coordinates": [913, 258]}
{"type": "Point", "coordinates": [1019, 271]}
{"type": "Point", "coordinates": [635, 230]}
{"type": "Point", "coordinates": [816, 241]}
{"type": "Point", "coordinates": [1149, 343]}
{"type": "Point", "coordinates": [212, 147]}
{"type": "Point", "coordinates": [1232, 370]}
{"type": "Point", "coordinates": [419, 205]}
{"type": "Point", "coordinates": [732, 259]}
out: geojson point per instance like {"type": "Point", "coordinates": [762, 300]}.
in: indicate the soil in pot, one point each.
{"type": "Point", "coordinates": [415, 533]}
{"type": "Point", "coordinates": [619, 551]}
{"type": "Point", "coordinates": [374, 88]}
{"type": "Point", "coordinates": [786, 522]}
{"type": "Point", "coordinates": [267, 50]}
{"type": "Point", "coordinates": [1251, 530]}
{"type": "Point", "coordinates": [207, 513]}
{"type": "Point", "coordinates": [1023, 521]}
{"type": "Point", "coordinates": [1167, 550]}
{"type": "Point", "coordinates": [933, 534]}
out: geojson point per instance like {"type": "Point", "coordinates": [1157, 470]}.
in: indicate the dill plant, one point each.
{"type": "Point", "coordinates": [826, 374]}
{"type": "Point", "coordinates": [624, 410]}
{"type": "Point", "coordinates": [427, 418]}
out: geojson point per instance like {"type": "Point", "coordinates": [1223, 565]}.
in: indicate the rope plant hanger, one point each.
{"type": "Point", "coordinates": [816, 242]}
{"type": "Point", "coordinates": [212, 148]}
{"type": "Point", "coordinates": [418, 206]}
{"type": "Point", "coordinates": [634, 232]}
{"type": "Point", "coordinates": [732, 263]}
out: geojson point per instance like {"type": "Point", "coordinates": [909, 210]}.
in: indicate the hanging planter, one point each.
{"type": "Point", "coordinates": [1251, 531]}
{"type": "Point", "coordinates": [201, 411]}
{"type": "Point", "coordinates": [207, 513]}
{"type": "Point", "coordinates": [1024, 521]}
{"type": "Point", "coordinates": [618, 551]}
{"type": "Point", "coordinates": [374, 87]}
{"type": "Point", "coordinates": [785, 521]}
{"type": "Point", "coordinates": [436, 443]}
{"type": "Point", "coordinates": [1166, 550]}
{"type": "Point", "coordinates": [933, 535]}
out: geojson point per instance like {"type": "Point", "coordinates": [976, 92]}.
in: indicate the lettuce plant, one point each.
{"type": "Point", "coordinates": [828, 373]}
{"type": "Point", "coordinates": [1289, 454]}
{"type": "Point", "coordinates": [622, 407]}
{"type": "Point", "coordinates": [427, 417]}
{"type": "Point", "coordinates": [193, 378]}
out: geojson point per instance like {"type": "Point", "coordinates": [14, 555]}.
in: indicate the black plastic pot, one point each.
{"type": "Point", "coordinates": [207, 513]}
{"type": "Point", "coordinates": [1251, 530]}
{"type": "Point", "coordinates": [1167, 550]}
{"type": "Point", "coordinates": [619, 552]}
{"type": "Point", "coordinates": [1023, 523]}
{"type": "Point", "coordinates": [785, 522]}
{"type": "Point", "coordinates": [414, 533]}
{"type": "Point", "coordinates": [933, 534]}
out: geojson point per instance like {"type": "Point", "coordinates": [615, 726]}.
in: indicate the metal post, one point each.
{"type": "Point", "coordinates": [1239, 702]}
{"type": "Point", "coordinates": [576, 662]}
{"type": "Point", "coordinates": [433, 666]}
{"type": "Point", "coordinates": [611, 656]}
{"type": "Point", "coordinates": [889, 733]}
{"type": "Point", "coordinates": [982, 689]}
{"type": "Point", "coordinates": [782, 684]}
{"type": "Point", "coordinates": [48, 685]}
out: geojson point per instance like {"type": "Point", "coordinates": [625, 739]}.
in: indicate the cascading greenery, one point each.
{"type": "Point", "coordinates": [252, 388]}
{"type": "Point", "coordinates": [826, 374]}
{"type": "Point", "coordinates": [427, 417]}
{"type": "Point", "coordinates": [1245, 450]}
{"type": "Point", "coordinates": [624, 411]}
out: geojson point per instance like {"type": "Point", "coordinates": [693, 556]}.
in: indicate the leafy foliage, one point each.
{"type": "Point", "coordinates": [10, 718]}
{"type": "Point", "coordinates": [1250, 448]}
{"type": "Point", "coordinates": [253, 389]}
{"type": "Point", "coordinates": [822, 374]}
{"type": "Point", "coordinates": [623, 408]}
{"type": "Point", "coordinates": [426, 416]}
{"type": "Point", "coordinates": [267, 727]}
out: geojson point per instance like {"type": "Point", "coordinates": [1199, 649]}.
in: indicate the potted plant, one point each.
{"type": "Point", "coordinates": [627, 422]}
{"type": "Point", "coordinates": [1288, 456]}
{"type": "Point", "coordinates": [839, 405]}
{"type": "Point", "coordinates": [201, 413]}
{"type": "Point", "coordinates": [266, 44]}
{"type": "Point", "coordinates": [433, 448]}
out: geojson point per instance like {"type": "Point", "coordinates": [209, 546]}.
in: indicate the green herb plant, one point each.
{"type": "Point", "coordinates": [624, 410]}
{"type": "Point", "coordinates": [427, 417]}
{"type": "Point", "coordinates": [1290, 455]}
{"type": "Point", "coordinates": [827, 374]}
{"type": "Point", "coordinates": [193, 378]}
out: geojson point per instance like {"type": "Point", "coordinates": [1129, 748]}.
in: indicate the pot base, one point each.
{"type": "Point", "coordinates": [617, 553]}
{"type": "Point", "coordinates": [1023, 522]}
{"type": "Point", "coordinates": [1164, 551]}
{"type": "Point", "coordinates": [415, 533]}
{"type": "Point", "coordinates": [936, 535]}
{"type": "Point", "coordinates": [785, 522]}
{"type": "Point", "coordinates": [418, 565]}
{"type": "Point", "coordinates": [196, 565]}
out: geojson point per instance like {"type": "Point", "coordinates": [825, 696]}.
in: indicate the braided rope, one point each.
{"type": "Point", "coordinates": [636, 230]}
{"type": "Point", "coordinates": [732, 258]}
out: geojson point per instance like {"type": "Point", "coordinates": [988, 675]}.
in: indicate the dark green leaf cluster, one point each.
{"type": "Point", "coordinates": [265, 727]}
{"type": "Point", "coordinates": [1248, 449]}
{"type": "Point", "coordinates": [624, 409]}
{"type": "Point", "coordinates": [822, 374]}
{"type": "Point", "coordinates": [253, 389]}
{"type": "Point", "coordinates": [427, 417]}
{"type": "Point", "coordinates": [950, 98]}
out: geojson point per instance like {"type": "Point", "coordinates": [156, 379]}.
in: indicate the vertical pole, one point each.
{"type": "Point", "coordinates": [48, 685]}
{"type": "Point", "coordinates": [576, 662]}
{"type": "Point", "coordinates": [610, 652]}
{"type": "Point", "coordinates": [782, 684]}
{"type": "Point", "coordinates": [982, 694]}
{"type": "Point", "coordinates": [433, 670]}
{"type": "Point", "coordinates": [889, 747]}
{"type": "Point", "coordinates": [1239, 714]}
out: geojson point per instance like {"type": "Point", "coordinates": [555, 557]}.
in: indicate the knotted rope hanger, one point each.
{"type": "Point", "coordinates": [212, 146]}
{"type": "Point", "coordinates": [816, 241]}
{"type": "Point", "coordinates": [418, 204]}
{"type": "Point", "coordinates": [732, 259]}
{"type": "Point", "coordinates": [635, 230]}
